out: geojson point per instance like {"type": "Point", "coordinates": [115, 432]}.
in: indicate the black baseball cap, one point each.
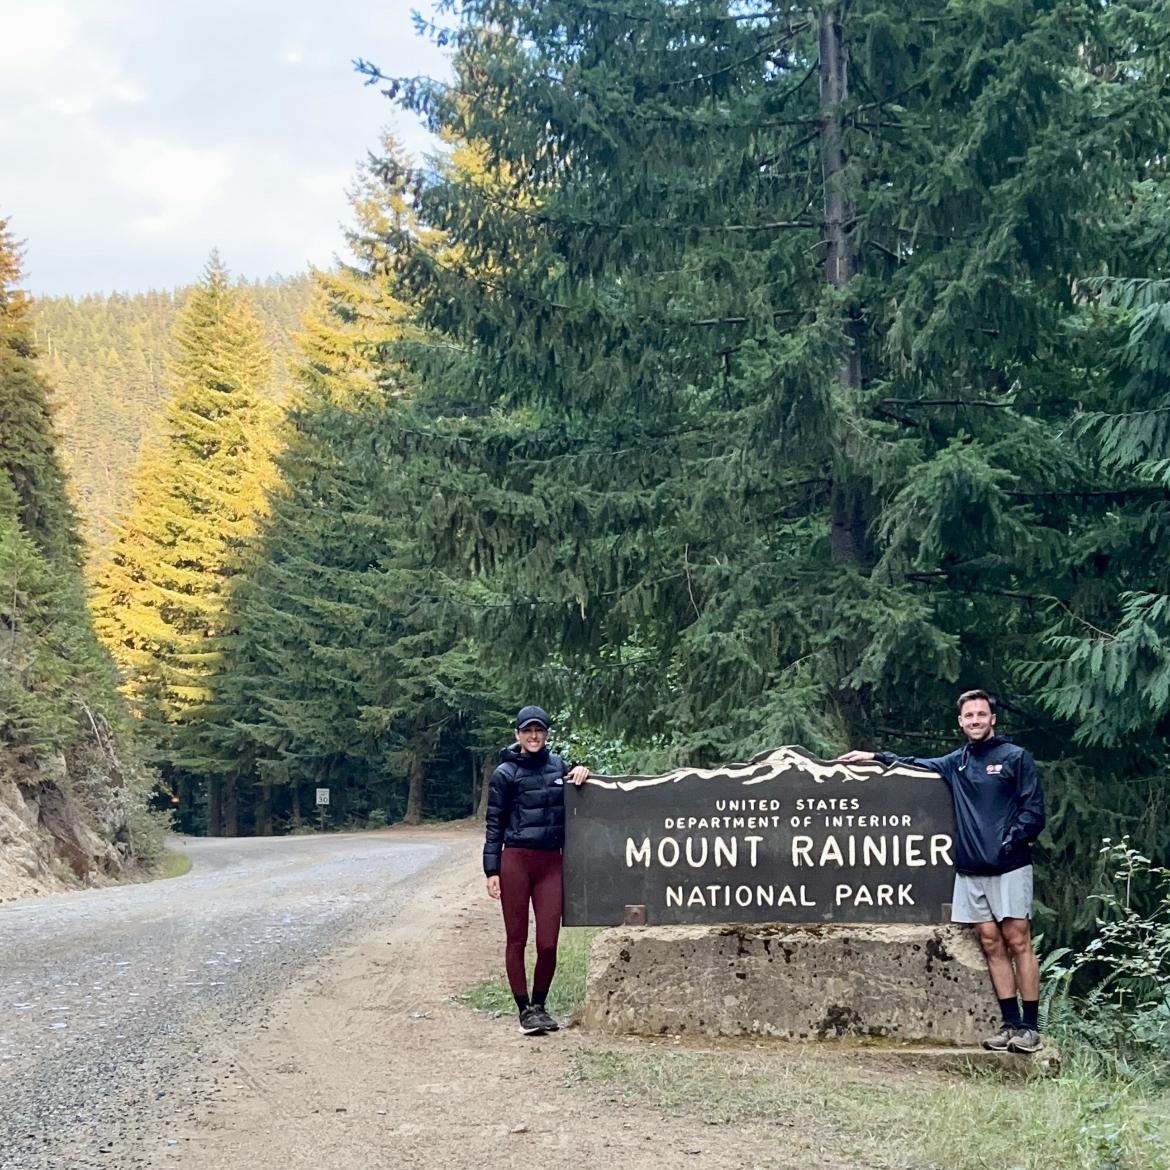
{"type": "Point", "coordinates": [529, 715]}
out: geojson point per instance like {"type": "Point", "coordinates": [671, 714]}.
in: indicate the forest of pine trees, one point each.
{"type": "Point", "coordinates": [105, 359]}
{"type": "Point", "coordinates": [802, 365]}
{"type": "Point", "coordinates": [160, 602]}
{"type": "Point", "coordinates": [69, 762]}
{"type": "Point", "coordinates": [740, 375]}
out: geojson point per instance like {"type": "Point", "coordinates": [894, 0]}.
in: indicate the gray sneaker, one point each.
{"type": "Point", "coordinates": [1001, 1041]}
{"type": "Point", "coordinates": [1025, 1040]}
{"type": "Point", "coordinates": [547, 1021]}
{"type": "Point", "coordinates": [532, 1021]}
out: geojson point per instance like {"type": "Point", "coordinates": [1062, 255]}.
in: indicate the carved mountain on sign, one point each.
{"type": "Point", "coordinates": [768, 766]}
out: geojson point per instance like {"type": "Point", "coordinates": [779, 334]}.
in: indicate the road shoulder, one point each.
{"type": "Point", "coordinates": [370, 1060]}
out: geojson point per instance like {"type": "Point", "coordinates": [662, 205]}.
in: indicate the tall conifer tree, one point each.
{"type": "Point", "coordinates": [57, 693]}
{"type": "Point", "coordinates": [345, 673]}
{"type": "Point", "coordinates": [771, 305]}
{"type": "Point", "coordinates": [41, 608]}
{"type": "Point", "coordinates": [27, 439]}
{"type": "Point", "coordinates": [764, 349]}
{"type": "Point", "coordinates": [198, 492]}
{"type": "Point", "coordinates": [1105, 666]}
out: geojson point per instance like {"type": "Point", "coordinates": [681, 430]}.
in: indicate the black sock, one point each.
{"type": "Point", "coordinates": [1010, 1010]}
{"type": "Point", "coordinates": [521, 1001]}
{"type": "Point", "coordinates": [1032, 1014]}
{"type": "Point", "coordinates": [538, 998]}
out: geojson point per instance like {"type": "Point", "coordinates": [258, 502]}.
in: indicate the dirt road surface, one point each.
{"type": "Point", "coordinates": [352, 1054]}
{"type": "Point", "coordinates": [107, 996]}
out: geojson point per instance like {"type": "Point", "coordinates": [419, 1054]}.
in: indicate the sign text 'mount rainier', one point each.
{"type": "Point", "coordinates": [785, 838]}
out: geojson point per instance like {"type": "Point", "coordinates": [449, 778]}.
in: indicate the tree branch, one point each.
{"type": "Point", "coordinates": [984, 402]}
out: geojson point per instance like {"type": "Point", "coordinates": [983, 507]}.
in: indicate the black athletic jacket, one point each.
{"type": "Point", "coordinates": [526, 804]}
{"type": "Point", "coordinates": [999, 808]}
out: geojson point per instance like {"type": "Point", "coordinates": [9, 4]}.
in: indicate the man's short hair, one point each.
{"type": "Point", "coordinates": [969, 696]}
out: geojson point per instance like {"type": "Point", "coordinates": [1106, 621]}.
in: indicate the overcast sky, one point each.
{"type": "Point", "coordinates": [136, 135]}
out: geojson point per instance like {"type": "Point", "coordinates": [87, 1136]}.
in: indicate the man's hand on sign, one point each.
{"type": "Point", "coordinates": [493, 886]}
{"type": "Point", "coordinates": [854, 757]}
{"type": "Point", "coordinates": [579, 775]}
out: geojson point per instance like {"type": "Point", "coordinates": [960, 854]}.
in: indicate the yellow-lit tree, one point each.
{"type": "Point", "coordinates": [198, 492]}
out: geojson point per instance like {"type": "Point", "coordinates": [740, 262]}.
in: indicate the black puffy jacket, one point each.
{"type": "Point", "coordinates": [526, 804]}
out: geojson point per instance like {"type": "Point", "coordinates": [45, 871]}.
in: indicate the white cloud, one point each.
{"type": "Point", "coordinates": [293, 214]}
{"type": "Point", "coordinates": [146, 136]}
{"type": "Point", "coordinates": [49, 57]}
{"type": "Point", "coordinates": [128, 92]}
{"type": "Point", "coordinates": [37, 34]}
{"type": "Point", "coordinates": [71, 105]}
{"type": "Point", "coordinates": [168, 171]}
{"type": "Point", "coordinates": [182, 182]}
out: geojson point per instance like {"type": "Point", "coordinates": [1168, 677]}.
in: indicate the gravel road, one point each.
{"type": "Point", "coordinates": [105, 995]}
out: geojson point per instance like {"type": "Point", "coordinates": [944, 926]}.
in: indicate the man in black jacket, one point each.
{"type": "Point", "coordinates": [999, 812]}
{"type": "Point", "coordinates": [522, 857]}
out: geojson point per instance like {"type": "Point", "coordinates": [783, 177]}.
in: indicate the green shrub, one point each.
{"type": "Point", "coordinates": [1113, 997]}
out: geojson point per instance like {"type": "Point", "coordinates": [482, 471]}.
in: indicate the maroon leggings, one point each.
{"type": "Point", "coordinates": [531, 875]}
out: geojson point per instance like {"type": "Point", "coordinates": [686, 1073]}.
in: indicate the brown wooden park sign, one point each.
{"type": "Point", "coordinates": [784, 838]}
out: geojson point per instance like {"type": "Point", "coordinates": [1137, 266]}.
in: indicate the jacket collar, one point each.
{"type": "Point", "coordinates": [977, 749]}
{"type": "Point", "coordinates": [515, 754]}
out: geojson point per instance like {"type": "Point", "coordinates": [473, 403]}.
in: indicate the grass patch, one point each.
{"type": "Point", "coordinates": [171, 864]}
{"type": "Point", "coordinates": [567, 995]}
{"type": "Point", "coordinates": [897, 1120]}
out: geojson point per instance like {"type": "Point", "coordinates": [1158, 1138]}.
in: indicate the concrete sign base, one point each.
{"type": "Point", "coordinates": [901, 983]}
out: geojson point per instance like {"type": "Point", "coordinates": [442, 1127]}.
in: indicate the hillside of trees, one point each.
{"type": "Point", "coordinates": [73, 790]}
{"type": "Point", "coordinates": [106, 359]}
{"type": "Point", "coordinates": [739, 376]}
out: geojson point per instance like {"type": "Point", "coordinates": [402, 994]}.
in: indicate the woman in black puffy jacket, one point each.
{"type": "Point", "coordinates": [522, 857]}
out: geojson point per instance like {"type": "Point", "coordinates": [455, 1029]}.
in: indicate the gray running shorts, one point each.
{"type": "Point", "coordinates": [994, 897]}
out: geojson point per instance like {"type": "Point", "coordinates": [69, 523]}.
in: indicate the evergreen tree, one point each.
{"type": "Point", "coordinates": [39, 561]}
{"type": "Point", "coordinates": [1105, 665]}
{"type": "Point", "coordinates": [57, 693]}
{"type": "Point", "coordinates": [27, 439]}
{"type": "Point", "coordinates": [345, 673]}
{"type": "Point", "coordinates": [760, 340]}
{"type": "Point", "coordinates": [767, 304]}
{"type": "Point", "coordinates": [106, 358]}
{"type": "Point", "coordinates": [197, 495]}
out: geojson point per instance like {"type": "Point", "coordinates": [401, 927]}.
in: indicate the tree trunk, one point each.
{"type": "Point", "coordinates": [296, 806]}
{"type": "Point", "coordinates": [840, 264]}
{"type": "Point", "coordinates": [264, 810]}
{"type": "Point", "coordinates": [231, 807]}
{"type": "Point", "coordinates": [215, 807]}
{"type": "Point", "coordinates": [488, 769]}
{"type": "Point", "coordinates": [847, 539]}
{"type": "Point", "coordinates": [414, 796]}
{"type": "Point", "coordinates": [185, 795]}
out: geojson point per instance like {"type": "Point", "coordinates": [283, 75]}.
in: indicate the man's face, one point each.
{"type": "Point", "coordinates": [531, 737]}
{"type": "Point", "coordinates": [976, 720]}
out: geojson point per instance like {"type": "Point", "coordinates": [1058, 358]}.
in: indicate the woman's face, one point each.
{"type": "Point", "coordinates": [531, 737]}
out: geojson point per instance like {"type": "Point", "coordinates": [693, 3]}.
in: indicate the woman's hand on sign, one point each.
{"type": "Point", "coordinates": [854, 757]}
{"type": "Point", "coordinates": [579, 775]}
{"type": "Point", "coordinates": [493, 886]}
